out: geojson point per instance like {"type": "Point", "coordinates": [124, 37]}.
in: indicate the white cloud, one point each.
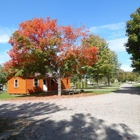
{"type": "Point", "coordinates": [117, 45]}
{"type": "Point", "coordinates": [116, 34]}
{"type": "Point", "coordinates": [4, 38]}
{"type": "Point", "coordinates": [126, 67]}
{"type": "Point", "coordinates": [5, 34]}
{"type": "Point", "coordinates": [117, 26]}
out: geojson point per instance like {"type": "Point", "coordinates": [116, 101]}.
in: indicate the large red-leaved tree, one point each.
{"type": "Point", "coordinates": [41, 46]}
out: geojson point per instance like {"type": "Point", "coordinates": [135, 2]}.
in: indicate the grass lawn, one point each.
{"type": "Point", "coordinates": [4, 95]}
{"type": "Point", "coordinates": [137, 85]}
{"type": "Point", "coordinates": [102, 89]}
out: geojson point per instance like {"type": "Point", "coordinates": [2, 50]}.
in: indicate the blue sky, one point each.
{"type": "Point", "coordinates": [106, 18]}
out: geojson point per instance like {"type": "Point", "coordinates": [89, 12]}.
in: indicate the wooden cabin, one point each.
{"type": "Point", "coordinates": [17, 85]}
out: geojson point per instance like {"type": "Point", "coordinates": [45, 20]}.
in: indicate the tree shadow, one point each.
{"type": "Point", "coordinates": [78, 127]}
{"type": "Point", "coordinates": [28, 110]}
{"type": "Point", "coordinates": [129, 90]}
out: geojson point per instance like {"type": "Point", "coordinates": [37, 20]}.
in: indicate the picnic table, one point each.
{"type": "Point", "coordinates": [73, 90]}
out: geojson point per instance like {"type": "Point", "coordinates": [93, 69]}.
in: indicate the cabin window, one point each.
{"type": "Point", "coordinates": [15, 83]}
{"type": "Point", "coordinates": [36, 82]}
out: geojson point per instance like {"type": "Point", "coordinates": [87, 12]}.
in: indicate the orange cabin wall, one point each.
{"type": "Point", "coordinates": [30, 88]}
{"type": "Point", "coordinates": [26, 86]}
{"type": "Point", "coordinates": [65, 83]}
{"type": "Point", "coordinates": [21, 86]}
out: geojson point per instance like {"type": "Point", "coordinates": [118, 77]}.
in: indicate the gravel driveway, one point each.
{"type": "Point", "coordinates": [114, 116]}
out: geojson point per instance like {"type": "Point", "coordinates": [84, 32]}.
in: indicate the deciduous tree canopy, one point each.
{"type": "Point", "coordinates": [107, 64]}
{"type": "Point", "coordinates": [133, 43]}
{"type": "Point", "coordinates": [42, 46]}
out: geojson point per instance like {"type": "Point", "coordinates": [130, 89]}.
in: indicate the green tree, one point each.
{"type": "Point", "coordinates": [137, 75]}
{"type": "Point", "coordinates": [95, 70]}
{"type": "Point", "coordinates": [107, 64]}
{"type": "Point", "coordinates": [121, 76]}
{"type": "Point", "coordinates": [133, 43]}
{"type": "Point", "coordinates": [110, 65]}
{"type": "Point", "coordinates": [131, 77]}
{"type": "Point", "coordinates": [3, 75]}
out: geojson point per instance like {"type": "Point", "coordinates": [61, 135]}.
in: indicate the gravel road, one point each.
{"type": "Point", "coordinates": [114, 116]}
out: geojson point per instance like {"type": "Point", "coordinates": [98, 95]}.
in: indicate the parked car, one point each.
{"type": "Point", "coordinates": [1, 86]}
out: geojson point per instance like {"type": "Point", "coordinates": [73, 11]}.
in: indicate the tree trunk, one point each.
{"type": "Point", "coordinates": [108, 80]}
{"type": "Point", "coordinates": [59, 86]}
{"type": "Point", "coordinates": [97, 81]}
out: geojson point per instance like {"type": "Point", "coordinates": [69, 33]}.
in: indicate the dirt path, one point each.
{"type": "Point", "coordinates": [114, 116]}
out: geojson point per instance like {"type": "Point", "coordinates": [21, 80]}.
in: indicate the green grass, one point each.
{"type": "Point", "coordinates": [102, 89]}
{"type": "Point", "coordinates": [136, 85]}
{"type": "Point", "coordinates": [5, 96]}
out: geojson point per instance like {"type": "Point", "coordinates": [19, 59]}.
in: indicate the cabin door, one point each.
{"type": "Point", "coordinates": [45, 87]}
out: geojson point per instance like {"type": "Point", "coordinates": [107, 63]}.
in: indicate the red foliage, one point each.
{"type": "Point", "coordinates": [58, 42]}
